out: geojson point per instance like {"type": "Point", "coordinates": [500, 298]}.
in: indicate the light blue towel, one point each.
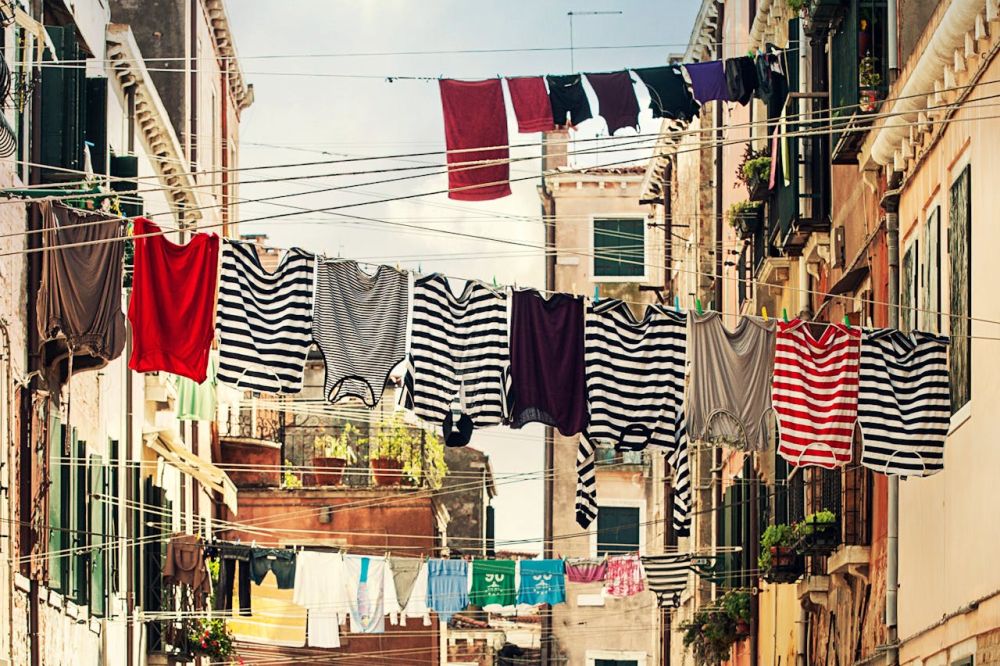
{"type": "Point", "coordinates": [447, 587]}
{"type": "Point", "coordinates": [542, 582]}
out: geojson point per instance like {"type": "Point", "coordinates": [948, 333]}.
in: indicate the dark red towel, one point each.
{"type": "Point", "coordinates": [531, 104]}
{"type": "Point", "coordinates": [475, 117]}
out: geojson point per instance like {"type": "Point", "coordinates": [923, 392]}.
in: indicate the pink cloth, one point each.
{"type": "Point", "coordinates": [624, 577]}
{"type": "Point", "coordinates": [586, 570]}
{"type": "Point", "coordinates": [475, 117]}
{"type": "Point", "coordinates": [531, 104]}
{"type": "Point", "coordinates": [775, 156]}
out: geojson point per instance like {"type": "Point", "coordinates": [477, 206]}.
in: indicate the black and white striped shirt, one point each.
{"type": "Point", "coordinates": [458, 351]}
{"type": "Point", "coordinates": [904, 406]}
{"type": "Point", "coordinates": [264, 319]}
{"type": "Point", "coordinates": [359, 324]}
{"type": "Point", "coordinates": [667, 576]}
{"type": "Point", "coordinates": [635, 392]}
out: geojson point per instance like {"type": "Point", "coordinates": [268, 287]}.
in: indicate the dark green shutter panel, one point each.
{"type": "Point", "coordinates": [960, 289]}
{"type": "Point", "coordinates": [617, 530]}
{"type": "Point", "coordinates": [63, 110]}
{"type": "Point", "coordinates": [124, 172]}
{"type": "Point", "coordinates": [98, 540]}
{"type": "Point", "coordinates": [79, 561]}
{"type": "Point", "coordinates": [97, 123]}
{"type": "Point", "coordinates": [58, 505]}
{"type": "Point", "coordinates": [111, 516]}
{"type": "Point", "coordinates": [618, 247]}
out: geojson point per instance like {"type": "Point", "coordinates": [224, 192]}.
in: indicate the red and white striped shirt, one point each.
{"type": "Point", "coordinates": [815, 393]}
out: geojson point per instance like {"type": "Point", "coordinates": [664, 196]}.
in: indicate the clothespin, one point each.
{"type": "Point", "coordinates": [697, 304]}
{"type": "Point", "coordinates": [420, 269]}
{"type": "Point", "coordinates": [763, 311]}
{"type": "Point", "coordinates": [494, 281]}
{"type": "Point", "coordinates": [677, 303]}
{"type": "Point", "coordinates": [784, 314]}
{"type": "Point", "coordinates": [597, 293]}
{"type": "Point", "coordinates": [847, 322]}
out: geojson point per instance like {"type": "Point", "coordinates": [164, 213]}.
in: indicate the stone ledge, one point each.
{"type": "Point", "coordinates": [849, 561]}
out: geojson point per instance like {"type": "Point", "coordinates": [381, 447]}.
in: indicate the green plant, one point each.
{"type": "Point", "coordinates": [743, 172]}
{"type": "Point", "coordinates": [742, 209]}
{"type": "Point", "coordinates": [868, 77]}
{"type": "Point", "coordinates": [796, 5]}
{"type": "Point", "coordinates": [757, 170]}
{"type": "Point", "coordinates": [775, 536]}
{"type": "Point", "coordinates": [290, 480]}
{"type": "Point", "coordinates": [211, 638]}
{"type": "Point", "coordinates": [710, 635]}
{"type": "Point", "coordinates": [808, 526]}
{"type": "Point", "coordinates": [736, 603]}
{"type": "Point", "coordinates": [340, 446]}
{"type": "Point", "coordinates": [421, 452]}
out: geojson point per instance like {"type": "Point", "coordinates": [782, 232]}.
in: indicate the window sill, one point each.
{"type": "Point", "coordinates": [959, 418]}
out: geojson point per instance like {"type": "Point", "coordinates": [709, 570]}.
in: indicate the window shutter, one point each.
{"type": "Point", "coordinates": [79, 537]}
{"type": "Point", "coordinates": [619, 250]}
{"type": "Point", "coordinates": [98, 540]}
{"type": "Point", "coordinates": [58, 506]}
{"type": "Point", "coordinates": [617, 530]}
{"type": "Point", "coordinates": [124, 172]}
{"type": "Point", "coordinates": [97, 123]}
{"type": "Point", "coordinates": [63, 110]}
{"type": "Point", "coordinates": [960, 289]}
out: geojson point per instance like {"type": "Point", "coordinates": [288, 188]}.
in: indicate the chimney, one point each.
{"type": "Point", "coordinates": [555, 149]}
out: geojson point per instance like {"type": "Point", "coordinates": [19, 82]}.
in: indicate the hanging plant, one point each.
{"type": "Point", "coordinates": [710, 636]}
{"type": "Point", "coordinates": [778, 561]}
{"type": "Point", "coordinates": [754, 172]}
{"type": "Point", "coordinates": [744, 216]}
{"type": "Point", "coordinates": [211, 638]}
{"type": "Point", "coordinates": [818, 534]}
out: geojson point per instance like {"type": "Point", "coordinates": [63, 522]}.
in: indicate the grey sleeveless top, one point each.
{"type": "Point", "coordinates": [729, 385]}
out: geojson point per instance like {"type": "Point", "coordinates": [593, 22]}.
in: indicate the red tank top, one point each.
{"type": "Point", "coordinates": [172, 311]}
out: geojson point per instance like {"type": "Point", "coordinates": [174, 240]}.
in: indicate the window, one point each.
{"type": "Point", "coordinates": [929, 319]}
{"type": "Point", "coordinates": [617, 530]}
{"type": "Point", "coordinates": [616, 662]}
{"type": "Point", "coordinates": [908, 286]}
{"type": "Point", "coordinates": [960, 289]}
{"type": "Point", "coordinates": [619, 248]}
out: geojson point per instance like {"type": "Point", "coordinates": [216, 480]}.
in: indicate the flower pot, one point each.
{"type": "Point", "coordinates": [742, 629]}
{"type": "Point", "coordinates": [867, 100]}
{"type": "Point", "coordinates": [255, 463]}
{"type": "Point", "coordinates": [823, 539]}
{"type": "Point", "coordinates": [332, 471]}
{"type": "Point", "coordinates": [747, 224]}
{"type": "Point", "coordinates": [387, 471]}
{"type": "Point", "coordinates": [759, 189]}
{"type": "Point", "coordinates": [786, 565]}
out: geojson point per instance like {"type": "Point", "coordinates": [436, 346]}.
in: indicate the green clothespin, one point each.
{"type": "Point", "coordinates": [784, 314]}
{"type": "Point", "coordinates": [495, 282]}
{"type": "Point", "coordinates": [697, 304]}
{"type": "Point", "coordinates": [677, 303]}
{"type": "Point", "coordinates": [847, 322]}
{"type": "Point", "coordinates": [597, 294]}
{"type": "Point", "coordinates": [420, 269]}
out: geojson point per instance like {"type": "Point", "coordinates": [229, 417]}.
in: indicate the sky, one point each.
{"type": "Point", "coordinates": [317, 99]}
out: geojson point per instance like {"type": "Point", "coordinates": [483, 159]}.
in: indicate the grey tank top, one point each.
{"type": "Point", "coordinates": [729, 387]}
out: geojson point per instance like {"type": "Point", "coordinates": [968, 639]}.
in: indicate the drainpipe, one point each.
{"type": "Point", "coordinates": [800, 638]}
{"type": "Point", "coordinates": [892, 45]}
{"type": "Point", "coordinates": [890, 203]}
{"type": "Point", "coordinates": [8, 481]}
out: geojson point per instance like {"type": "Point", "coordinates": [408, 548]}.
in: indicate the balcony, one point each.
{"type": "Point", "coordinates": [859, 75]}
{"type": "Point", "coordinates": [814, 590]}
{"type": "Point", "coordinates": [849, 561]}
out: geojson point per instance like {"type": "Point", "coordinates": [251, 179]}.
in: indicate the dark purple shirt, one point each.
{"type": "Point", "coordinates": [616, 99]}
{"type": "Point", "coordinates": [546, 362]}
{"type": "Point", "coordinates": [708, 81]}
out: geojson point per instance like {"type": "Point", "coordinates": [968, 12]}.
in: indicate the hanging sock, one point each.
{"type": "Point", "coordinates": [531, 104]}
{"type": "Point", "coordinates": [475, 117]}
{"type": "Point", "coordinates": [708, 81]}
{"type": "Point", "coordinates": [616, 99]}
{"type": "Point", "coordinates": [669, 95]}
{"type": "Point", "coordinates": [567, 97]}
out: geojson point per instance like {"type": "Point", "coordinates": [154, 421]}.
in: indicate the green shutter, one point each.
{"type": "Point", "coordinates": [97, 123]}
{"type": "Point", "coordinates": [619, 247]}
{"type": "Point", "coordinates": [124, 170]}
{"type": "Point", "coordinates": [617, 530]}
{"type": "Point", "coordinates": [63, 111]}
{"type": "Point", "coordinates": [98, 541]}
{"type": "Point", "coordinates": [58, 505]}
{"type": "Point", "coordinates": [79, 537]}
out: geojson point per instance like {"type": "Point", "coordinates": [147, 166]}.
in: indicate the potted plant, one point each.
{"type": "Point", "coordinates": [332, 455]}
{"type": "Point", "coordinates": [754, 171]}
{"type": "Point", "coordinates": [710, 636]}
{"type": "Point", "coordinates": [736, 603]}
{"type": "Point", "coordinates": [744, 216]}
{"type": "Point", "coordinates": [868, 81]}
{"type": "Point", "coordinates": [818, 533]}
{"type": "Point", "coordinates": [211, 638]}
{"type": "Point", "coordinates": [778, 560]}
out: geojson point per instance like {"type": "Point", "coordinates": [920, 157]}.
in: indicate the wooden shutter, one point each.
{"type": "Point", "coordinates": [63, 111]}
{"type": "Point", "coordinates": [79, 537]}
{"type": "Point", "coordinates": [960, 289]}
{"type": "Point", "coordinates": [58, 506]}
{"type": "Point", "coordinates": [619, 247]}
{"type": "Point", "coordinates": [98, 541]}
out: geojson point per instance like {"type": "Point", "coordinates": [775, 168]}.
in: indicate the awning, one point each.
{"type": "Point", "coordinates": [169, 445]}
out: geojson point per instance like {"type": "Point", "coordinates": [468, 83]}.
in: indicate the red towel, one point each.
{"type": "Point", "coordinates": [475, 117]}
{"type": "Point", "coordinates": [531, 104]}
{"type": "Point", "coordinates": [172, 310]}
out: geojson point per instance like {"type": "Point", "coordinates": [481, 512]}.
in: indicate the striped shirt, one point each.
{"type": "Point", "coordinates": [359, 324]}
{"type": "Point", "coordinates": [815, 393]}
{"type": "Point", "coordinates": [904, 406]}
{"type": "Point", "coordinates": [635, 392]}
{"type": "Point", "coordinates": [458, 351]}
{"type": "Point", "coordinates": [264, 319]}
{"type": "Point", "coordinates": [667, 576]}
